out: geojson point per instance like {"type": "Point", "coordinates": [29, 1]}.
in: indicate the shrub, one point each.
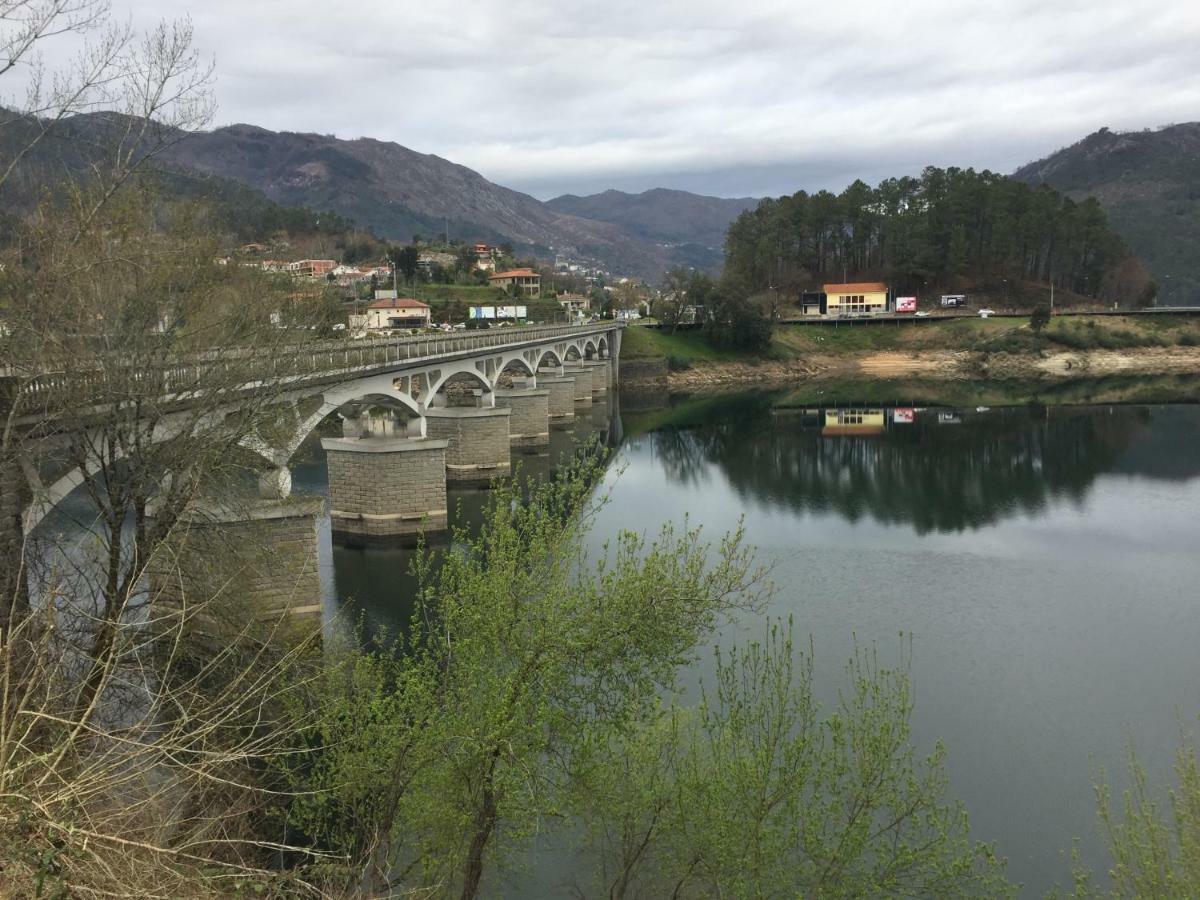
{"type": "Point", "coordinates": [676, 363]}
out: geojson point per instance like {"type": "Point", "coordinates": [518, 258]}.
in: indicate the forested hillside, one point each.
{"type": "Point", "coordinates": [1149, 184]}
{"type": "Point", "coordinates": [950, 228]}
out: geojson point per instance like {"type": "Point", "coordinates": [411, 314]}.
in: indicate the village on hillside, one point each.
{"type": "Point", "coordinates": [381, 288]}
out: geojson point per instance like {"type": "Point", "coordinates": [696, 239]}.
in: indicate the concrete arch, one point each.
{"type": "Point", "coordinates": [437, 397]}
{"type": "Point", "coordinates": [602, 347]}
{"type": "Point", "coordinates": [381, 389]}
{"type": "Point", "coordinates": [589, 349]}
{"type": "Point", "coordinates": [514, 364]}
{"type": "Point", "coordinates": [573, 353]}
{"type": "Point", "coordinates": [549, 356]}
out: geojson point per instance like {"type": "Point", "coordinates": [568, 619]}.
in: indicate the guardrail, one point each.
{"type": "Point", "coordinates": [240, 369]}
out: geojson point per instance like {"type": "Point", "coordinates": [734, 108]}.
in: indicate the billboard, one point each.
{"type": "Point", "coordinates": [951, 300]}
{"type": "Point", "coordinates": [510, 312]}
{"type": "Point", "coordinates": [904, 416]}
{"type": "Point", "coordinates": [483, 312]}
{"type": "Point", "coordinates": [906, 304]}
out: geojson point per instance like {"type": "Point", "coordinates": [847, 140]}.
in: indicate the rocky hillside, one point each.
{"type": "Point", "coordinates": [399, 192]}
{"type": "Point", "coordinates": [660, 215]}
{"type": "Point", "coordinates": [384, 186]}
{"type": "Point", "coordinates": [1149, 184]}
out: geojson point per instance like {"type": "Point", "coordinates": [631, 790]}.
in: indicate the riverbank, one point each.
{"type": "Point", "coordinates": [963, 350]}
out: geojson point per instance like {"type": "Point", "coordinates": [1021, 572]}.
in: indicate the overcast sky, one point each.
{"type": "Point", "coordinates": [736, 97]}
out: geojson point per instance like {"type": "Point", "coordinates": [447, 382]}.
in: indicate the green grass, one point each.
{"type": "Point", "coordinates": [638, 342]}
{"type": "Point", "coordinates": [1005, 335]}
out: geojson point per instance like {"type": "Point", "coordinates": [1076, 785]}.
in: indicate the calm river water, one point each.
{"type": "Point", "coordinates": [1044, 561]}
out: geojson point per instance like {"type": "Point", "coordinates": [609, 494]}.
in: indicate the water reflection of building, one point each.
{"type": "Point", "coordinates": [861, 422]}
{"type": "Point", "coordinates": [910, 467]}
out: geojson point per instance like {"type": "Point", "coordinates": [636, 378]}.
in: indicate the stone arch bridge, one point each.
{"type": "Point", "coordinates": [460, 402]}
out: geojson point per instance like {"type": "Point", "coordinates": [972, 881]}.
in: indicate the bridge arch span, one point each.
{"type": "Point", "coordinates": [550, 357]}
{"type": "Point", "coordinates": [515, 365]}
{"type": "Point", "coordinates": [439, 380]}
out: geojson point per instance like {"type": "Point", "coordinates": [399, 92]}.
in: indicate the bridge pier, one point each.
{"type": "Point", "coordinates": [561, 405]}
{"type": "Point", "coordinates": [583, 381]}
{"type": "Point", "coordinates": [478, 445]}
{"type": "Point", "coordinates": [386, 487]}
{"type": "Point", "coordinates": [599, 370]}
{"type": "Point", "coordinates": [261, 555]}
{"type": "Point", "coordinates": [529, 421]}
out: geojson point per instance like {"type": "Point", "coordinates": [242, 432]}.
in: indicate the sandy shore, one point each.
{"type": "Point", "coordinates": [951, 365]}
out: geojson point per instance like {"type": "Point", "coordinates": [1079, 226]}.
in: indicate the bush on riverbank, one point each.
{"type": "Point", "coordinates": [529, 688]}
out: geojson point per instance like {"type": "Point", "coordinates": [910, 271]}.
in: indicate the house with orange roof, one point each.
{"type": "Point", "coordinates": [527, 282]}
{"type": "Point", "coordinates": [397, 312]}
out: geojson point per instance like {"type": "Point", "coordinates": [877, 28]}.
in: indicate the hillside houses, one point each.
{"type": "Point", "coordinates": [525, 282]}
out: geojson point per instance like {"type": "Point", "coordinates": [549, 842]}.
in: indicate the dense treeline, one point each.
{"type": "Point", "coordinates": [947, 227]}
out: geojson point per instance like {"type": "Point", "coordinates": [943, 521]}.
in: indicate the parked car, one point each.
{"type": "Point", "coordinates": [921, 314]}
{"type": "Point", "coordinates": [985, 312]}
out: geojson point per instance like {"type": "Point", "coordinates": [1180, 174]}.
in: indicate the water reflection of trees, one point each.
{"type": "Point", "coordinates": [934, 477]}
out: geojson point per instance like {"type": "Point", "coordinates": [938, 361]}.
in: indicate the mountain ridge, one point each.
{"type": "Point", "coordinates": [399, 192]}
{"type": "Point", "coordinates": [661, 214]}
{"type": "Point", "coordinates": [1149, 185]}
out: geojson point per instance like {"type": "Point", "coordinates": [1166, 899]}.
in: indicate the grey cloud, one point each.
{"type": "Point", "coordinates": [753, 97]}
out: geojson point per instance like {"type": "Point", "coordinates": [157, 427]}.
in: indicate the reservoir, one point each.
{"type": "Point", "coordinates": [1036, 568]}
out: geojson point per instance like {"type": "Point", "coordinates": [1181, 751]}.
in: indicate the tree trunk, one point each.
{"type": "Point", "coordinates": [485, 824]}
{"type": "Point", "coordinates": [14, 586]}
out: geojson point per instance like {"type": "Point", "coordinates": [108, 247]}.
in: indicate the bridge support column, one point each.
{"type": "Point", "coordinates": [260, 555]}
{"type": "Point", "coordinates": [599, 371]}
{"type": "Point", "coordinates": [561, 404]}
{"type": "Point", "coordinates": [383, 488]}
{"type": "Point", "coordinates": [583, 382]}
{"type": "Point", "coordinates": [614, 355]}
{"type": "Point", "coordinates": [529, 421]}
{"type": "Point", "coordinates": [478, 446]}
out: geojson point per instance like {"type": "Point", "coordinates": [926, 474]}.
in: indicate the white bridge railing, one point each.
{"type": "Point", "coordinates": [241, 368]}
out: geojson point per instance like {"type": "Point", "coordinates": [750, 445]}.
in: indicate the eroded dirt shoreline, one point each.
{"type": "Point", "coordinates": [948, 365]}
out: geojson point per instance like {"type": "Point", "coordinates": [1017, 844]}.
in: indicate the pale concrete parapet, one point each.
{"type": "Point", "coordinates": [562, 397]}
{"type": "Point", "coordinates": [380, 488]}
{"type": "Point", "coordinates": [529, 423]}
{"type": "Point", "coordinates": [478, 446]}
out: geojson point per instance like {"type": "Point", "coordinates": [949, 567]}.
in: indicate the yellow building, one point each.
{"type": "Point", "coordinates": [858, 298]}
{"type": "Point", "coordinates": [859, 422]}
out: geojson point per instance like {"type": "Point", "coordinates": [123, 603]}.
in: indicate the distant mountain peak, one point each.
{"type": "Point", "coordinates": [663, 215]}
{"type": "Point", "coordinates": [1149, 184]}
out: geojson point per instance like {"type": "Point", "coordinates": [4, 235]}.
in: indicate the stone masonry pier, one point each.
{"type": "Point", "coordinates": [583, 382]}
{"type": "Point", "coordinates": [478, 445]}
{"type": "Point", "coordinates": [599, 370]}
{"type": "Point", "coordinates": [529, 420]}
{"type": "Point", "coordinates": [381, 488]}
{"type": "Point", "coordinates": [562, 396]}
{"type": "Point", "coordinates": [261, 555]}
